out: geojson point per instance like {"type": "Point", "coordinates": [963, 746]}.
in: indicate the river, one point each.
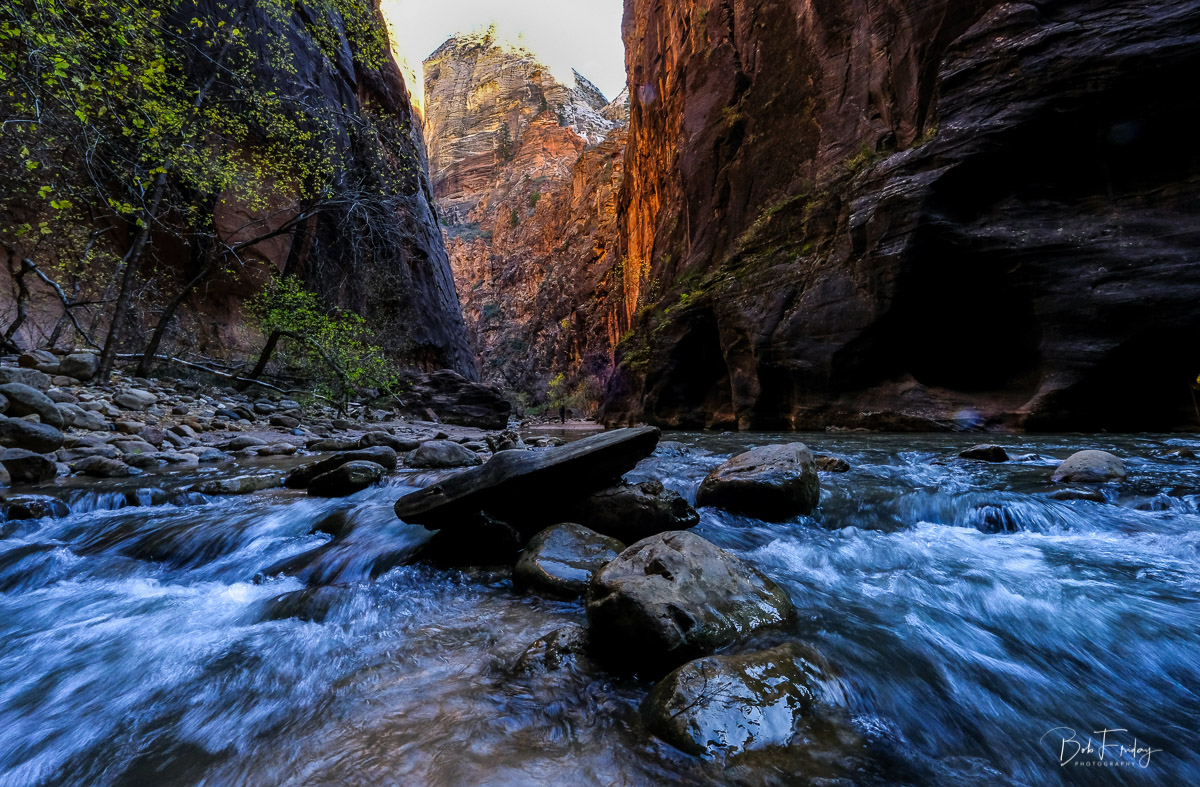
{"type": "Point", "coordinates": [973, 620]}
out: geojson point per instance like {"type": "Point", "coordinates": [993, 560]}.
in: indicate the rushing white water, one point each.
{"type": "Point", "coordinates": [973, 619]}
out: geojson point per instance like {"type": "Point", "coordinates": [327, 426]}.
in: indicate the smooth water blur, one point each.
{"type": "Point", "coordinates": [140, 645]}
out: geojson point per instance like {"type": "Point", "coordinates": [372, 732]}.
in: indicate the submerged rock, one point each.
{"type": "Point", "coordinates": [1089, 467]}
{"type": "Point", "coordinates": [774, 483]}
{"type": "Point", "coordinates": [831, 464]}
{"type": "Point", "coordinates": [674, 597]}
{"type": "Point", "coordinates": [560, 648]}
{"type": "Point", "coordinates": [725, 705]}
{"type": "Point", "coordinates": [32, 507]}
{"type": "Point", "coordinates": [631, 512]}
{"type": "Point", "coordinates": [985, 453]}
{"type": "Point", "coordinates": [529, 489]}
{"type": "Point", "coordinates": [437, 454]}
{"type": "Point", "coordinates": [347, 479]}
{"type": "Point", "coordinates": [561, 560]}
{"type": "Point", "coordinates": [312, 605]}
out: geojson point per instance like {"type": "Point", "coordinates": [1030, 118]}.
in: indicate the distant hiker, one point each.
{"type": "Point", "coordinates": [562, 413]}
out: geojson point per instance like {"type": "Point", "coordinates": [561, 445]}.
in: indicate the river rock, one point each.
{"type": "Point", "coordinates": [346, 479]}
{"type": "Point", "coordinates": [1089, 467]}
{"type": "Point", "coordinates": [240, 485]}
{"type": "Point", "coordinates": [19, 507]}
{"type": "Point", "coordinates": [530, 489]}
{"type": "Point", "coordinates": [381, 455]}
{"type": "Point", "coordinates": [443, 454]}
{"type": "Point", "coordinates": [310, 604]}
{"type": "Point", "coordinates": [333, 444]}
{"type": "Point", "coordinates": [241, 443]}
{"type": "Point", "coordinates": [674, 597]}
{"type": "Point", "coordinates": [25, 400]}
{"type": "Point", "coordinates": [726, 705]}
{"type": "Point", "coordinates": [30, 377]}
{"type": "Point", "coordinates": [561, 560]}
{"type": "Point", "coordinates": [397, 444]}
{"type": "Point", "coordinates": [27, 467]}
{"type": "Point", "coordinates": [81, 366]}
{"type": "Point", "coordinates": [985, 453]}
{"type": "Point", "coordinates": [134, 447]}
{"type": "Point", "coordinates": [41, 438]}
{"type": "Point", "coordinates": [631, 512]}
{"type": "Point", "coordinates": [86, 420]}
{"type": "Point", "coordinates": [103, 467]}
{"type": "Point", "coordinates": [134, 399]}
{"type": "Point", "coordinates": [284, 421]}
{"type": "Point", "coordinates": [831, 464]}
{"type": "Point", "coordinates": [774, 482]}
{"type": "Point", "coordinates": [38, 358]}
{"type": "Point", "coordinates": [559, 649]}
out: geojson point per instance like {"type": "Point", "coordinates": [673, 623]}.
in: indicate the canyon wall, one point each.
{"type": "Point", "coordinates": [373, 245]}
{"type": "Point", "coordinates": [526, 172]}
{"type": "Point", "coordinates": [908, 214]}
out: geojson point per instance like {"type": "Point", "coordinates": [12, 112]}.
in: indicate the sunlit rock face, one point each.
{"type": "Point", "coordinates": [909, 214]}
{"type": "Point", "coordinates": [526, 172]}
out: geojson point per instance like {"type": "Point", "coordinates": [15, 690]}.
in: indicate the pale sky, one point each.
{"type": "Point", "coordinates": [564, 34]}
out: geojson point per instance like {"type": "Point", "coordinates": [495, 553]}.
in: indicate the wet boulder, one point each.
{"type": "Point", "coordinates": [27, 467]}
{"type": "Point", "coordinates": [529, 489]}
{"type": "Point", "coordinates": [241, 485]}
{"type": "Point", "coordinates": [985, 453]}
{"type": "Point", "coordinates": [25, 400]}
{"type": "Point", "coordinates": [17, 507]}
{"type": "Point", "coordinates": [438, 454]}
{"type": "Point", "coordinates": [561, 560]}
{"type": "Point", "coordinates": [774, 482]}
{"type": "Point", "coordinates": [560, 649]}
{"type": "Point", "coordinates": [40, 438]}
{"type": "Point", "coordinates": [1089, 467]}
{"type": "Point", "coordinates": [674, 597]}
{"type": "Point", "coordinates": [381, 455]}
{"type": "Point", "coordinates": [726, 705]}
{"type": "Point", "coordinates": [347, 479]}
{"type": "Point", "coordinates": [631, 512]}
{"type": "Point", "coordinates": [333, 444]}
{"type": "Point", "coordinates": [241, 443]}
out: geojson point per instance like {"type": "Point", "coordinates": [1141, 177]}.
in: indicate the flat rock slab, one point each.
{"type": "Point", "coordinates": [530, 489]}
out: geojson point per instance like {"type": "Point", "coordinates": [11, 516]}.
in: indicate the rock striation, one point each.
{"type": "Point", "coordinates": [909, 215]}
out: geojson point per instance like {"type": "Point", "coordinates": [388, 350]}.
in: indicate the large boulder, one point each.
{"type": "Point", "coordinates": [1089, 467]}
{"type": "Point", "coordinates": [674, 597]}
{"type": "Point", "coordinates": [81, 366]}
{"type": "Point", "coordinates": [30, 377]}
{"type": "Point", "coordinates": [381, 455]}
{"type": "Point", "coordinates": [347, 479]}
{"type": "Point", "coordinates": [437, 454]}
{"type": "Point", "coordinates": [774, 482]}
{"type": "Point", "coordinates": [561, 560]}
{"type": "Point", "coordinates": [40, 438]}
{"type": "Point", "coordinates": [726, 705]}
{"type": "Point", "coordinates": [631, 512]}
{"type": "Point", "coordinates": [25, 400]}
{"type": "Point", "coordinates": [530, 489]}
{"type": "Point", "coordinates": [28, 467]}
{"type": "Point", "coordinates": [456, 400]}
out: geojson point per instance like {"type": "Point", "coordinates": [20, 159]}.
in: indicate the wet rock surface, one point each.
{"type": "Point", "coordinates": [774, 482]}
{"type": "Point", "coordinates": [560, 649]}
{"type": "Point", "coordinates": [347, 479]}
{"type": "Point", "coordinates": [673, 597]}
{"type": "Point", "coordinates": [631, 512]}
{"type": "Point", "coordinates": [562, 559]}
{"type": "Point", "coordinates": [444, 454]}
{"type": "Point", "coordinates": [1089, 467]}
{"type": "Point", "coordinates": [727, 705]}
{"type": "Point", "coordinates": [985, 453]}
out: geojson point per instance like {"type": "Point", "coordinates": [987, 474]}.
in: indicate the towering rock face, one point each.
{"type": "Point", "coordinates": [526, 171]}
{"type": "Point", "coordinates": [390, 266]}
{"type": "Point", "coordinates": [910, 214]}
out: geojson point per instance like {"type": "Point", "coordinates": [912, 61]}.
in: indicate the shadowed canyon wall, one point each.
{"type": "Point", "coordinates": [526, 172]}
{"type": "Point", "coordinates": [390, 266]}
{"type": "Point", "coordinates": [910, 214]}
